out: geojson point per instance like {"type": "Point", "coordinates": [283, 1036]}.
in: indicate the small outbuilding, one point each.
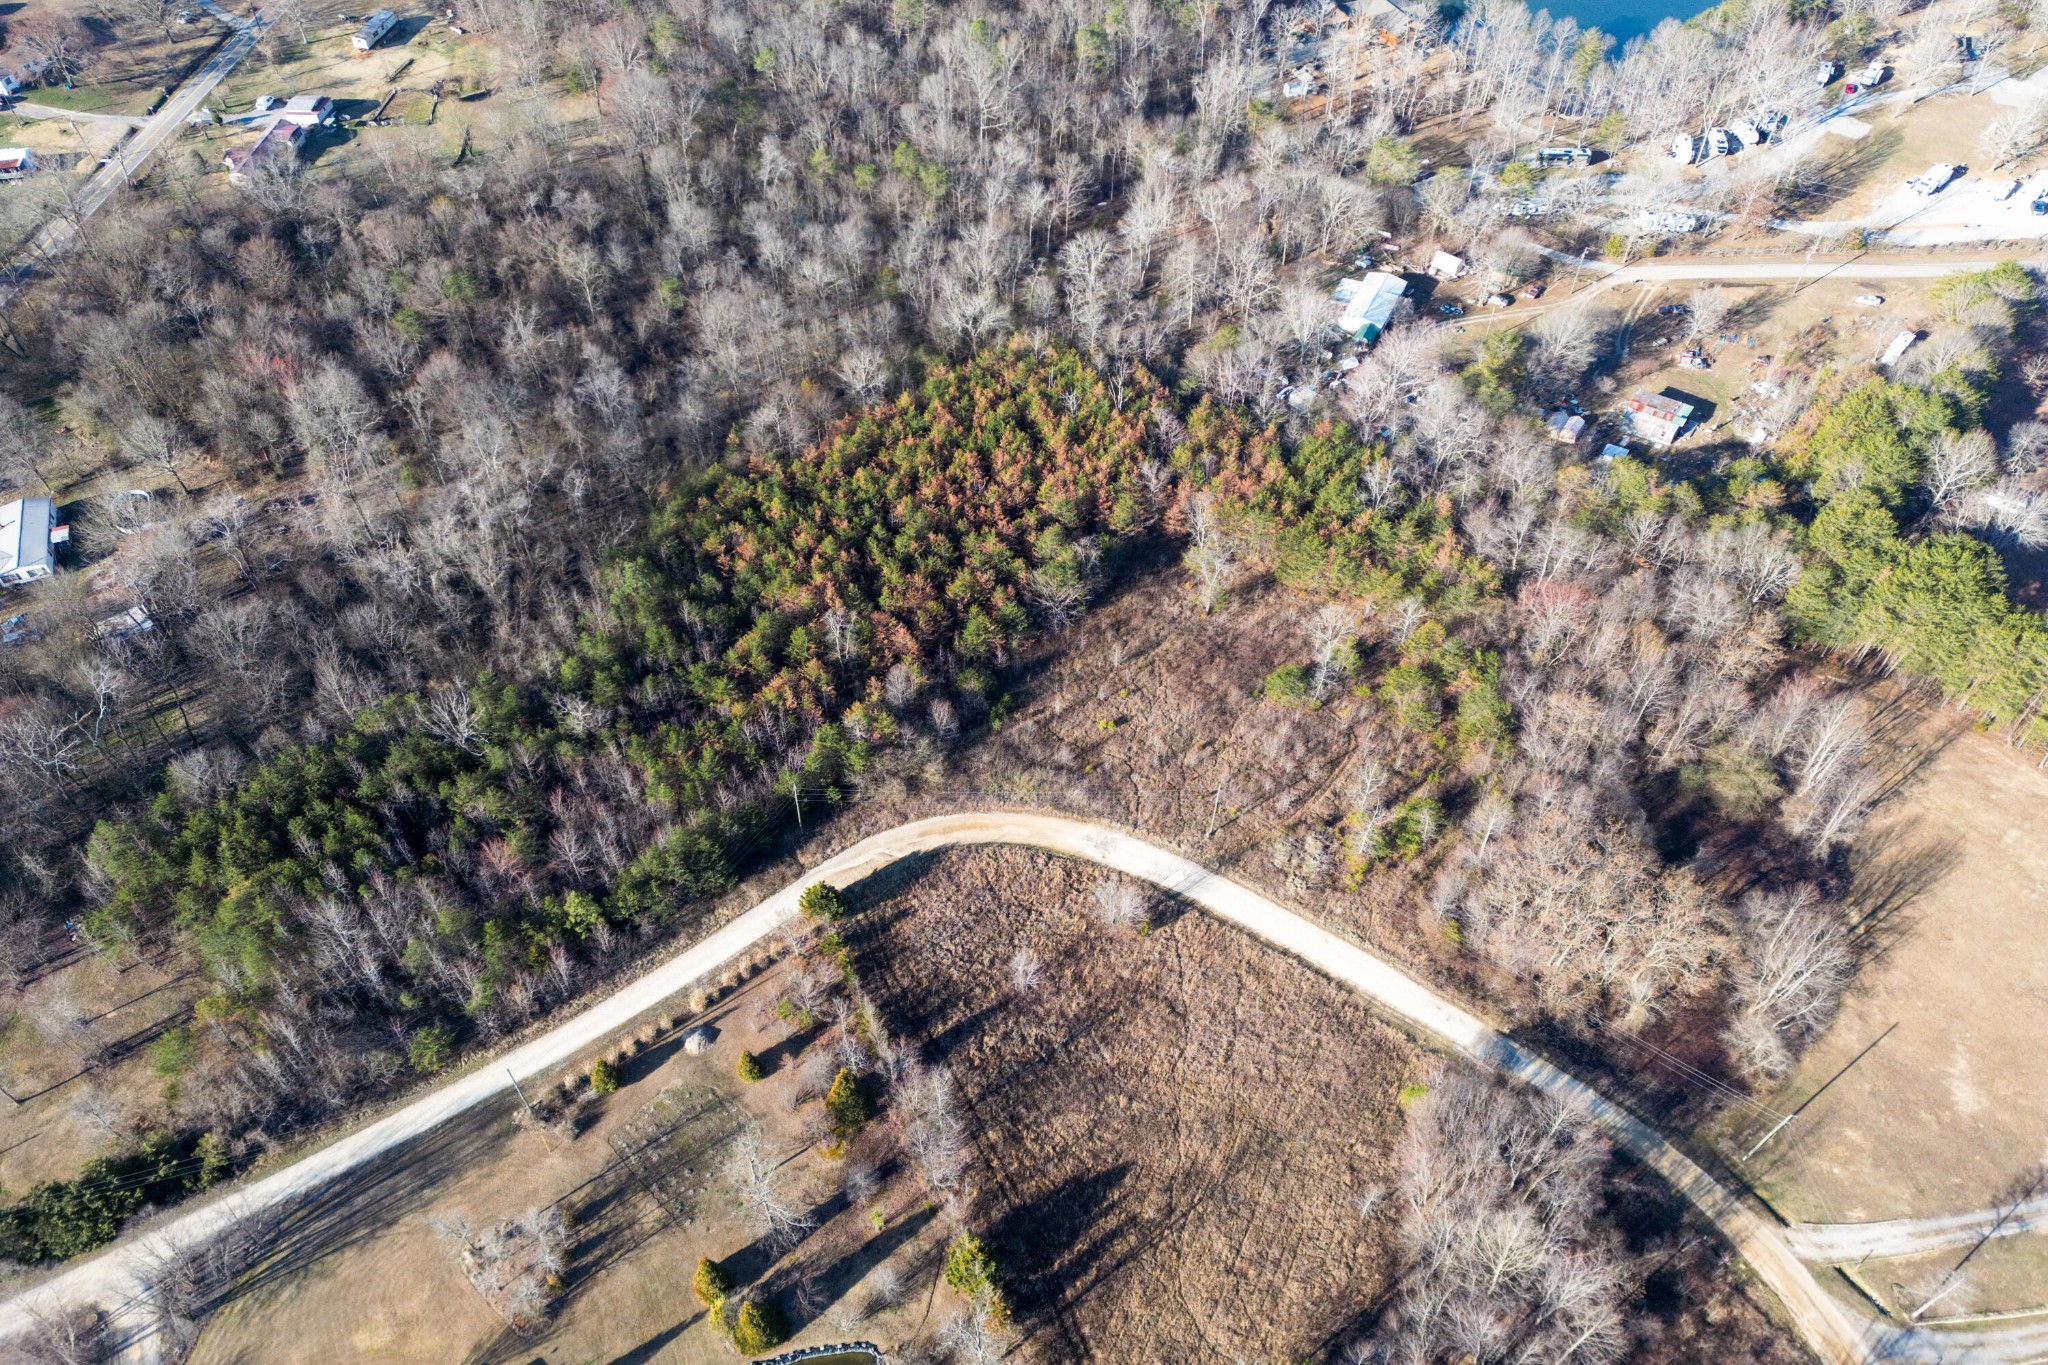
{"type": "Point", "coordinates": [1444, 266]}
{"type": "Point", "coordinates": [1566, 426]}
{"type": "Point", "coordinates": [16, 162]}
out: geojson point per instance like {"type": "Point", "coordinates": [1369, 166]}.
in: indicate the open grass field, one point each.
{"type": "Point", "coordinates": [1175, 1129]}
{"type": "Point", "coordinates": [1944, 1112]}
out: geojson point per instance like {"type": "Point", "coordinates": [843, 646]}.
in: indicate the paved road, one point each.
{"type": "Point", "coordinates": [115, 1278]}
{"type": "Point", "coordinates": [128, 161]}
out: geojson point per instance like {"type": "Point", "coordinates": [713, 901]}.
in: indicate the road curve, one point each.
{"type": "Point", "coordinates": [116, 1277]}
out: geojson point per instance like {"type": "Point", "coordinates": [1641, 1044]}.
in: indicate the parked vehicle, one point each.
{"type": "Point", "coordinates": [1870, 300]}
{"type": "Point", "coordinates": [1826, 72]}
{"type": "Point", "coordinates": [1672, 310]}
{"type": "Point", "coordinates": [1498, 300]}
{"type": "Point", "coordinates": [1933, 179]}
{"type": "Point", "coordinates": [1534, 291]}
{"type": "Point", "coordinates": [1451, 310]}
{"type": "Point", "coordinates": [2041, 204]}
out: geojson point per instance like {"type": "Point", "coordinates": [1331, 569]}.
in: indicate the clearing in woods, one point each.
{"type": "Point", "coordinates": [1945, 1112]}
{"type": "Point", "coordinates": [1173, 1128]}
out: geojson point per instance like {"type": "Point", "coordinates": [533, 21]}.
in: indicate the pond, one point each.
{"type": "Point", "coordinates": [1623, 19]}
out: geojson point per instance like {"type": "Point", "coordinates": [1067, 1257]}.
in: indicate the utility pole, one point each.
{"type": "Point", "coordinates": [538, 1126]}
{"type": "Point", "coordinates": [1776, 1128]}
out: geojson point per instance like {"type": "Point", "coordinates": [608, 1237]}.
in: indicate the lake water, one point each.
{"type": "Point", "coordinates": [1620, 19]}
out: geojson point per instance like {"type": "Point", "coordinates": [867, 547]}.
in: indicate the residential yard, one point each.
{"type": "Point", "coordinates": [1949, 886]}
{"type": "Point", "coordinates": [131, 63]}
{"type": "Point", "coordinates": [379, 1279]}
{"type": "Point", "coordinates": [54, 140]}
{"type": "Point", "coordinates": [418, 54]}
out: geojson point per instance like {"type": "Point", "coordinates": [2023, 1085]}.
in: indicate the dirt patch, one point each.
{"type": "Point", "coordinates": [1945, 1109]}
{"type": "Point", "coordinates": [1174, 1127]}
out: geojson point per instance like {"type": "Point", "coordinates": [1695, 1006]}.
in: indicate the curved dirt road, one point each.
{"type": "Point", "coordinates": [116, 1277]}
{"type": "Point", "coordinates": [1839, 1243]}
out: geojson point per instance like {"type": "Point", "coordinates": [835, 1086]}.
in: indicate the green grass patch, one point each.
{"type": "Point", "coordinates": [86, 99]}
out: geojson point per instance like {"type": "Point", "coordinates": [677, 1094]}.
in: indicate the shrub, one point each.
{"type": "Point", "coordinates": [432, 1048]}
{"type": "Point", "coordinates": [822, 903]}
{"type": "Point", "coordinates": [971, 1270]}
{"type": "Point", "coordinates": [759, 1327]}
{"type": "Point", "coordinates": [847, 1103]}
{"type": "Point", "coordinates": [750, 1068]}
{"type": "Point", "coordinates": [711, 1284]}
{"type": "Point", "coordinates": [1287, 684]}
{"type": "Point", "coordinates": [172, 1053]}
{"type": "Point", "coordinates": [604, 1077]}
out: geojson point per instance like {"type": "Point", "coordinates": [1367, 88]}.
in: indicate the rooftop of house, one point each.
{"type": "Point", "coordinates": [25, 527]}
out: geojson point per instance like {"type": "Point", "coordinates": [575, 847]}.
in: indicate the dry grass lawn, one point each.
{"type": "Point", "coordinates": [49, 1134]}
{"type": "Point", "coordinates": [368, 1277]}
{"type": "Point", "coordinates": [1946, 1112]}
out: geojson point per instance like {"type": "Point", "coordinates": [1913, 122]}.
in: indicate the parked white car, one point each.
{"type": "Point", "coordinates": [1870, 300]}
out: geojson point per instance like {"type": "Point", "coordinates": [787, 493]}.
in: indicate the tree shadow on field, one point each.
{"type": "Point", "coordinates": [1895, 875]}
{"type": "Point", "coordinates": [371, 1199]}
{"type": "Point", "coordinates": [753, 1262]}
{"type": "Point", "coordinates": [1063, 1239]}
{"type": "Point", "coordinates": [1827, 181]}
{"type": "Point", "coordinates": [837, 1279]}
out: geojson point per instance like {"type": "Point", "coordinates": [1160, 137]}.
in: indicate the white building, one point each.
{"type": "Point", "coordinates": [1900, 344]}
{"type": "Point", "coordinates": [308, 111]}
{"type": "Point", "coordinates": [1369, 304]}
{"type": "Point", "coordinates": [16, 162]}
{"type": "Point", "coordinates": [28, 531]}
{"type": "Point", "coordinates": [373, 30]}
